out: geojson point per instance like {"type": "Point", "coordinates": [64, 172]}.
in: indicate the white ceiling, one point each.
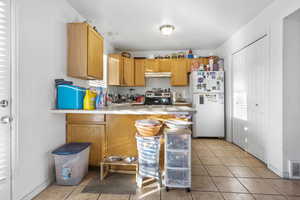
{"type": "Point", "coordinates": [200, 24]}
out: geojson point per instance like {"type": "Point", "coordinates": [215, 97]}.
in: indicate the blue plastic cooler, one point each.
{"type": "Point", "coordinates": [70, 97]}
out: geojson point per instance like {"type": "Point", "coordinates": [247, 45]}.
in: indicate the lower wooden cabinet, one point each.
{"type": "Point", "coordinates": [88, 131]}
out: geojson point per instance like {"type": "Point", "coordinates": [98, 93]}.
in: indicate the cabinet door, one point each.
{"type": "Point", "coordinates": [95, 55]}
{"type": "Point", "coordinates": [114, 69]}
{"type": "Point", "coordinates": [151, 65]}
{"type": "Point", "coordinates": [179, 73]}
{"type": "Point", "coordinates": [128, 72]}
{"type": "Point", "coordinates": [165, 65]}
{"type": "Point", "coordinates": [139, 75]}
{"type": "Point", "coordinates": [77, 50]}
{"type": "Point", "coordinates": [94, 134]}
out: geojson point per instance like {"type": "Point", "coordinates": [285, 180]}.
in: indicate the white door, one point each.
{"type": "Point", "coordinates": [240, 103]}
{"type": "Point", "coordinates": [257, 87]}
{"type": "Point", "coordinates": [250, 72]}
{"type": "Point", "coordinates": [5, 100]}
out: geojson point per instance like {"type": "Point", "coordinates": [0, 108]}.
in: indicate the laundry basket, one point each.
{"type": "Point", "coordinates": [148, 158]}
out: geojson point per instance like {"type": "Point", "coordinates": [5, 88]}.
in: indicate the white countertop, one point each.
{"type": "Point", "coordinates": [134, 110]}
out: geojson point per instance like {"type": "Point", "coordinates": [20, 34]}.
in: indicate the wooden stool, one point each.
{"type": "Point", "coordinates": [105, 168]}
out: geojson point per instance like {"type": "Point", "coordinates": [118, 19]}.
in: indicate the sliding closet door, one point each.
{"type": "Point", "coordinates": [257, 90]}
{"type": "Point", "coordinates": [250, 70]}
{"type": "Point", "coordinates": [240, 94]}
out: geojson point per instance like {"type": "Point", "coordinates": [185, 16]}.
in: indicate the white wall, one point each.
{"type": "Point", "coordinates": [42, 42]}
{"type": "Point", "coordinates": [269, 21]}
{"type": "Point", "coordinates": [291, 92]}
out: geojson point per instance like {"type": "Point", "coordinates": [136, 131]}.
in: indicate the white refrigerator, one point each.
{"type": "Point", "coordinates": [207, 89]}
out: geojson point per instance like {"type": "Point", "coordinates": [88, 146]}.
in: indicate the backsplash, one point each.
{"type": "Point", "coordinates": [153, 83]}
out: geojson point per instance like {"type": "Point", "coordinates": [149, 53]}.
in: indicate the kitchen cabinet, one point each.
{"type": "Point", "coordinates": [165, 65]}
{"type": "Point", "coordinates": [120, 70]}
{"type": "Point", "coordinates": [85, 52]}
{"type": "Point", "coordinates": [139, 75]}
{"type": "Point", "coordinates": [151, 65]}
{"type": "Point", "coordinates": [179, 72]}
{"type": "Point", "coordinates": [128, 71]}
{"type": "Point", "coordinates": [203, 61]}
{"type": "Point", "coordinates": [88, 128]}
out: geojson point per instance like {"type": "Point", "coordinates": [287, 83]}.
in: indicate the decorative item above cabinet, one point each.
{"type": "Point", "coordinates": [85, 52]}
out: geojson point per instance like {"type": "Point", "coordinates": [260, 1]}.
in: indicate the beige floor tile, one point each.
{"type": "Point", "coordinates": [210, 161]}
{"type": "Point", "coordinates": [237, 196]}
{"type": "Point", "coordinates": [252, 162]}
{"type": "Point", "coordinates": [148, 192]}
{"type": "Point", "coordinates": [77, 195]}
{"type": "Point", "coordinates": [55, 192]}
{"type": "Point", "coordinates": [224, 153]}
{"type": "Point", "coordinates": [265, 173]}
{"type": "Point", "coordinates": [199, 170]}
{"type": "Point", "coordinates": [218, 170]}
{"type": "Point", "coordinates": [114, 197]}
{"type": "Point", "coordinates": [203, 183]}
{"type": "Point", "coordinates": [205, 153]}
{"type": "Point", "coordinates": [293, 198]}
{"type": "Point", "coordinates": [268, 197]}
{"type": "Point", "coordinates": [286, 187]}
{"type": "Point", "coordinates": [231, 161]}
{"type": "Point", "coordinates": [206, 196]}
{"type": "Point", "coordinates": [179, 194]}
{"type": "Point", "coordinates": [242, 154]}
{"type": "Point", "coordinates": [243, 172]}
{"type": "Point", "coordinates": [225, 184]}
{"type": "Point", "coordinates": [258, 186]}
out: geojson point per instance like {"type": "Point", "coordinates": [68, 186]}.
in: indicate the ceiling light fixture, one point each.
{"type": "Point", "coordinates": [167, 29]}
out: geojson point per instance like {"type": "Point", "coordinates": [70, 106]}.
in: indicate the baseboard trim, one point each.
{"type": "Point", "coordinates": [276, 171]}
{"type": "Point", "coordinates": [37, 190]}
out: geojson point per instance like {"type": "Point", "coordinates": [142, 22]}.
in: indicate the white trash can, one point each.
{"type": "Point", "coordinates": [71, 163]}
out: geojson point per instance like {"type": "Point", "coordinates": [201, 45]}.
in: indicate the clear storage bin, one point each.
{"type": "Point", "coordinates": [71, 163]}
{"type": "Point", "coordinates": [178, 178]}
{"type": "Point", "coordinates": [178, 159]}
{"type": "Point", "coordinates": [178, 141]}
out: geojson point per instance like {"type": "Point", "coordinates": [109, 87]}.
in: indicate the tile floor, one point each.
{"type": "Point", "coordinates": [220, 171]}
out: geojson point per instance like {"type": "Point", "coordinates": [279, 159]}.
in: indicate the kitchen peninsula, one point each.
{"type": "Point", "coordinates": [111, 130]}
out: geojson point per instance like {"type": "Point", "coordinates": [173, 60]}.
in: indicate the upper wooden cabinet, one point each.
{"type": "Point", "coordinates": [139, 76]}
{"type": "Point", "coordinates": [85, 52]}
{"type": "Point", "coordinates": [165, 65]}
{"type": "Point", "coordinates": [120, 70]}
{"type": "Point", "coordinates": [179, 72]}
{"type": "Point", "coordinates": [151, 65]}
{"type": "Point", "coordinates": [128, 71]}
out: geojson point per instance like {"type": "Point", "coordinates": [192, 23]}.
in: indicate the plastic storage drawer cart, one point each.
{"type": "Point", "coordinates": [178, 158]}
{"type": "Point", "coordinates": [70, 97]}
{"type": "Point", "coordinates": [71, 163]}
{"type": "Point", "coordinates": [148, 158]}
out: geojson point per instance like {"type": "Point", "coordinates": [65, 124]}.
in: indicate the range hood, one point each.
{"type": "Point", "coordinates": [158, 74]}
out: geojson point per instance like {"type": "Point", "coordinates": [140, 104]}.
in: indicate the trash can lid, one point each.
{"type": "Point", "coordinates": [71, 148]}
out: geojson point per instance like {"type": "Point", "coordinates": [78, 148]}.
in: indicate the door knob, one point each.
{"type": "Point", "coordinates": [4, 103]}
{"type": "Point", "coordinates": [5, 120]}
